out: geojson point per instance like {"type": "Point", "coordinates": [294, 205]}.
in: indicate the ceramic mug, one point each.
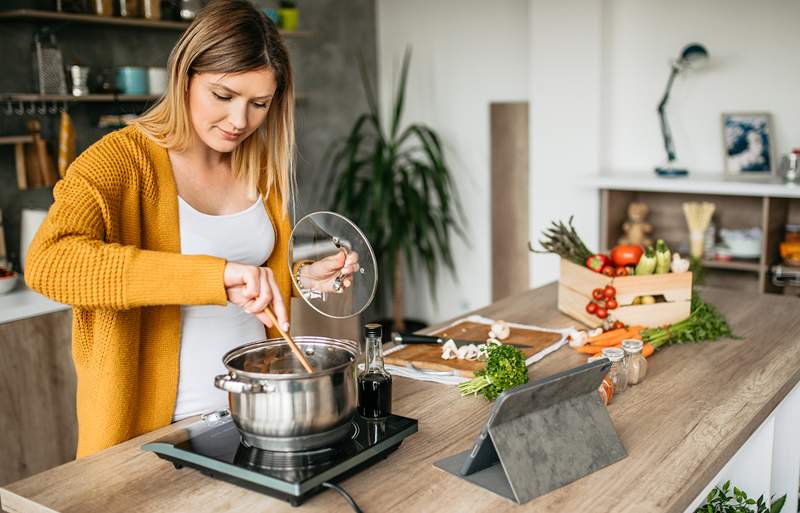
{"type": "Point", "coordinates": [132, 80]}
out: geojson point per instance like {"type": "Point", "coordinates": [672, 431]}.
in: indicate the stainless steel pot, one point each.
{"type": "Point", "coordinates": [278, 406]}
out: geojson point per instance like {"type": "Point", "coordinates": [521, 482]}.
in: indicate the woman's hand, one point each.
{"type": "Point", "coordinates": [320, 275]}
{"type": "Point", "coordinates": [254, 289]}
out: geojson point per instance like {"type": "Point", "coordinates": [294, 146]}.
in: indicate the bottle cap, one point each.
{"type": "Point", "coordinates": [632, 345]}
{"type": "Point", "coordinates": [373, 329]}
{"type": "Point", "coordinates": [614, 354]}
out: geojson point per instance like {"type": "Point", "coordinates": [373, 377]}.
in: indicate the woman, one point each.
{"type": "Point", "coordinates": [170, 237]}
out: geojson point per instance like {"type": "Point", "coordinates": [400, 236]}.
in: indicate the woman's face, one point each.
{"type": "Point", "coordinates": [226, 108]}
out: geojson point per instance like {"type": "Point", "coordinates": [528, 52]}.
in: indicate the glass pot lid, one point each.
{"type": "Point", "coordinates": [321, 242]}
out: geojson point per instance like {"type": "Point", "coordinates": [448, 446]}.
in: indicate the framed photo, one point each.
{"type": "Point", "coordinates": [747, 144]}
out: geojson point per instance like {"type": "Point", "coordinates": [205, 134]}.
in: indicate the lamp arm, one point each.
{"type": "Point", "coordinates": [665, 130]}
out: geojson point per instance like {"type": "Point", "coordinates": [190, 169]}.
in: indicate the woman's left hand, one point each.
{"type": "Point", "coordinates": [321, 275]}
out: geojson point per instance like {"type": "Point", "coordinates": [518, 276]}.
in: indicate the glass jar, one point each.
{"type": "Point", "coordinates": [617, 374]}
{"type": "Point", "coordinates": [606, 391]}
{"type": "Point", "coordinates": [635, 362]}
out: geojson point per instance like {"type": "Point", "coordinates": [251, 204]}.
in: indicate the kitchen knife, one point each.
{"type": "Point", "coordinates": [413, 338]}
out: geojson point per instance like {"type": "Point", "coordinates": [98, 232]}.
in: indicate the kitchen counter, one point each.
{"type": "Point", "coordinates": [24, 303]}
{"type": "Point", "coordinates": [697, 407]}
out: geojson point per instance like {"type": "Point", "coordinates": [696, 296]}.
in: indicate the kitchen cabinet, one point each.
{"type": "Point", "coordinates": [705, 412]}
{"type": "Point", "coordinates": [38, 429]}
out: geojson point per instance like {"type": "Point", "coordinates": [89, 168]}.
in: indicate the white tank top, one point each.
{"type": "Point", "coordinates": [210, 331]}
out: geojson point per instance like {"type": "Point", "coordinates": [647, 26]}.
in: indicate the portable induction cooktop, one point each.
{"type": "Point", "coordinates": [218, 451]}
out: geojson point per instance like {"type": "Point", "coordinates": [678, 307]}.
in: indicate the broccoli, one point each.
{"type": "Point", "coordinates": [505, 368]}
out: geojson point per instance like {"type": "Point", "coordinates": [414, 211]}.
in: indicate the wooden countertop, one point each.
{"type": "Point", "coordinates": [697, 406]}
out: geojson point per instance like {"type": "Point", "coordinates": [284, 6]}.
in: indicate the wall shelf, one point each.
{"type": "Point", "coordinates": [768, 205]}
{"type": "Point", "coordinates": [734, 265]}
{"type": "Point", "coordinates": [32, 97]}
{"type": "Point", "coordinates": [51, 16]}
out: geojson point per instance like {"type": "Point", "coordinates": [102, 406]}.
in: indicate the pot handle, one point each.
{"type": "Point", "coordinates": [229, 383]}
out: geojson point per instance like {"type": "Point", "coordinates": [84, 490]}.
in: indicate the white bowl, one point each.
{"type": "Point", "coordinates": [8, 283]}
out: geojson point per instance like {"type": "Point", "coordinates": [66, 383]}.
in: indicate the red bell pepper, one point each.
{"type": "Point", "coordinates": [597, 262]}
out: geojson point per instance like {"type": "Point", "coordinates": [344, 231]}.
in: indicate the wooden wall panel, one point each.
{"type": "Point", "coordinates": [509, 198]}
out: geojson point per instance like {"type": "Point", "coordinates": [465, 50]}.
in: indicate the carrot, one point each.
{"type": "Point", "coordinates": [589, 349]}
{"type": "Point", "coordinates": [614, 337]}
{"type": "Point", "coordinates": [648, 350]}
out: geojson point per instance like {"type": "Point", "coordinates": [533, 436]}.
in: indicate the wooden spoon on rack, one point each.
{"type": "Point", "coordinates": [288, 338]}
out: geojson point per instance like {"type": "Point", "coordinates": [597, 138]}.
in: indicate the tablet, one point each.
{"type": "Point", "coordinates": [524, 399]}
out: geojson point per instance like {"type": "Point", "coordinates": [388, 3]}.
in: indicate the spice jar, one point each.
{"type": "Point", "coordinates": [635, 362]}
{"type": "Point", "coordinates": [606, 391]}
{"type": "Point", "coordinates": [617, 374]}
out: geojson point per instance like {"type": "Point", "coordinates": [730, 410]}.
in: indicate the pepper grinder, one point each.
{"type": "Point", "coordinates": [374, 382]}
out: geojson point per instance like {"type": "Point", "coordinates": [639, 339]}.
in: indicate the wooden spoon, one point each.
{"type": "Point", "coordinates": [288, 338]}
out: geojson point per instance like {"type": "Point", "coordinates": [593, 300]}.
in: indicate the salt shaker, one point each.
{"type": "Point", "coordinates": [635, 362]}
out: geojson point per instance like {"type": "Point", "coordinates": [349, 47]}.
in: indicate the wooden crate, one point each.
{"type": "Point", "coordinates": [576, 283]}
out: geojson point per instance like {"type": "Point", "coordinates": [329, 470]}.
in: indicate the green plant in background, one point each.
{"type": "Point", "coordinates": [719, 501]}
{"type": "Point", "coordinates": [396, 185]}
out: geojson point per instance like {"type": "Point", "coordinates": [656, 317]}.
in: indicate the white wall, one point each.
{"type": "Point", "coordinates": [593, 72]}
{"type": "Point", "coordinates": [565, 71]}
{"type": "Point", "coordinates": [466, 54]}
{"type": "Point", "coordinates": [754, 66]}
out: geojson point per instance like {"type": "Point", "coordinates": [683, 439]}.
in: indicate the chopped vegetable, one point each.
{"type": "Point", "coordinates": [647, 264]}
{"type": "Point", "coordinates": [626, 254]}
{"type": "Point", "coordinates": [565, 242]}
{"type": "Point", "coordinates": [663, 257]}
{"type": "Point", "coordinates": [501, 330]}
{"type": "Point", "coordinates": [505, 368]}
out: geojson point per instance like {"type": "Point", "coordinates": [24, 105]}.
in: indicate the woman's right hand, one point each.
{"type": "Point", "coordinates": [254, 289]}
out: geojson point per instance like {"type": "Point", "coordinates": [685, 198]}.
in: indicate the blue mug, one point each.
{"type": "Point", "coordinates": [132, 80]}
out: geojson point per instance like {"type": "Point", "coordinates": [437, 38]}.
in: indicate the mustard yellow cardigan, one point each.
{"type": "Point", "coordinates": [110, 247]}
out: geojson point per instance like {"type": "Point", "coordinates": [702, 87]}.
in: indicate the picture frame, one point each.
{"type": "Point", "coordinates": [747, 145]}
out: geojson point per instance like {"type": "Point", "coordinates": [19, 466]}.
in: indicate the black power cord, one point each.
{"type": "Point", "coordinates": [344, 494]}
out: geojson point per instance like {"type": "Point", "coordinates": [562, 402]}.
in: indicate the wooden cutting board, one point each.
{"type": "Point", "coordinates": [429, 356]}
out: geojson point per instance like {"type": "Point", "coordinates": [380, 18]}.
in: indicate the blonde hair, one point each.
{"type": "Point", "coordinates": [232, 36]}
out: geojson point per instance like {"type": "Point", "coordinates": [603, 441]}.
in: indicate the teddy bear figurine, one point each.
{"type": "Point", "coordinates": [636, 228]}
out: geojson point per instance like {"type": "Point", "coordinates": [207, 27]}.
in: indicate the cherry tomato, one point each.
{"type": "Point", "coordinates": [598, 294]}
{"type": "Point", "coordinates": [621, 271]}
{"type": "Point", "coordinates": [611, 304]}
{"type": "Point", "coordinates": [617, 325]}
{"type": "Point", "coordinates": [591, 308]}
{"type": "Point", "coordinates": [601, 312]}
{"type": "Point", "coordinates": [609, 271]}
{"type": "Point", "coordinates": [609, 292]}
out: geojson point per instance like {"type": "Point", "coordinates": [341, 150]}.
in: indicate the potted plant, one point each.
{"type": "Point", "coordinates": [395, 184]}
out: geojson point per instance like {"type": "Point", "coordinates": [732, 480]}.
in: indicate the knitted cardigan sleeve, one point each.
{"type": "Point", "coordinates": [77, 258]}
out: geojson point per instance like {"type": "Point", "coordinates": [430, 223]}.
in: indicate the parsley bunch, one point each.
{"type": "Point", "coordinates": [505, 368]}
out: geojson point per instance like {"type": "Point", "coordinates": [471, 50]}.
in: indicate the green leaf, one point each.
{"type": "Point", "coordinates": [777, 505]}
